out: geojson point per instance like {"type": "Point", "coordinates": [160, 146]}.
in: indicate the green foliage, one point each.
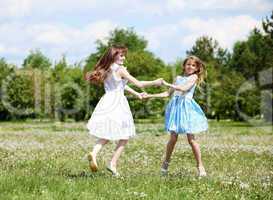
{"type": "Point", "coordinates": [36, 60]}
{"type": "Point", "coordinates": [249, 56]}
{"type": "Point", "coordinates": [126, 37]}
{"type": "Point", "coordinates": [5, 71]}
{"type": "Point", "coordinates": [205, 48]}
{"type": "Point", "coordinates": [18, 94]}
{"type": "Point", "coordinates": [70, 91]}
{"type": "Point", "coordinates": [254, 59]}
{"type": "Point", "coordinates": [268, 25]}
{"type": "Point", "coordinates": [60, 90]}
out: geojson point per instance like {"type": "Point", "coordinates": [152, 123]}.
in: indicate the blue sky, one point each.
{"type": "Point", "coordinates": [69, 27]}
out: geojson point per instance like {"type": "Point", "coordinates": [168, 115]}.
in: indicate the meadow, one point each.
{"type": "Point", "coordinates": [47, 160]}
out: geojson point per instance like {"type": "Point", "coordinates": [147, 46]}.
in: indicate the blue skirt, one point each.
{"type": "Point", "coordinates": [184, 115]}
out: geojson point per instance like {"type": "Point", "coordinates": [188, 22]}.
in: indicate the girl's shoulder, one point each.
{"type": "Point", "coordinates": [114, 67]}
{"type": "Point", "coordinates": [183, 78]}
{"type": "Point", "coordinates": [117, 67]}
{"type": "Point", "coordinates": [192, 77]}
{"type": "Point", "coordinates": [178, 77]}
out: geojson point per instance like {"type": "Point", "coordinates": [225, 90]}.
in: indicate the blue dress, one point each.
{"type": "Point", "coordinates": [183, 114]}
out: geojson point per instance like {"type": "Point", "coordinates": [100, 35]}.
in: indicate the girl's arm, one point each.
{"type": "Point", "coordinates": [188, 85]}
{"type": "Point", "coordinates": [132, 91]}
{"type": "Point", "coordinates": [141, 84]}
{"type": "Point", "coordinates": [159, 95]}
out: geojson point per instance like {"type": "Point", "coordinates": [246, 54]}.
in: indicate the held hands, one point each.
{"type": "Point", "coordinates": [139, 96]}
{"type": "Point", "coordinates": [157, 82]}
{"type": "Point", "coordinates": [145, 95]}
{"type": "Point", "coordinates": [142, 95]}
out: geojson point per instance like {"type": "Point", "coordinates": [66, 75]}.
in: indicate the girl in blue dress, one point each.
{"type": "Point", "coordinates": [183, 115]}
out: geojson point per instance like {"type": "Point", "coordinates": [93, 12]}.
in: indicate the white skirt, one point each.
{"type": "Point", "coordinates": [112, 118]}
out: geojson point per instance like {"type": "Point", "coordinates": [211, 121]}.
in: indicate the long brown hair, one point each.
{"type": "Point", "coordinates": [201, 68]}
{"type": "Point", "coordinates": [101, 69]}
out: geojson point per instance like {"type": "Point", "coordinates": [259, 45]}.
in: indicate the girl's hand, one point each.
{"type": "Point", "coordinates": [139, 96]}
{"type": "Point", "coordinates": [144, 95]}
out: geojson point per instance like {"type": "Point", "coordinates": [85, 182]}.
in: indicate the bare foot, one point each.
{"type": "Point", "coordinates": [92, 162]}
{"type": "Point", "coordinates": [201, 171]}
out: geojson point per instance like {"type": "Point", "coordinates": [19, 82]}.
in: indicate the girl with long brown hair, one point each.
{"type": "Point", "coordinates": [112, 118]}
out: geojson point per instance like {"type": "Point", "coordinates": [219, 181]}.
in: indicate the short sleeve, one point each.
{"type": "Point", "coordinates": [176, 79]}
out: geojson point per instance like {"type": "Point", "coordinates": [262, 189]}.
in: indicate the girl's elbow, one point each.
{"type": "Point", "coordinates": [166, 94]}
{"type": "Point", "coordinates": [181, 89]}
{"type": "Point", "coordinates": [140, 85]}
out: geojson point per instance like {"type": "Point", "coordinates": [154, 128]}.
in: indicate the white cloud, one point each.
{"type": "Point", "coordinates": [2, 49]}
{"type": "Point", "coordinates": [172, 40]}
{"type": "Point", "coordinates": [160, 35]}
{"type": "Point", "coordinates": [253, 5]}
{"type": "Point", "coordinates": [173, 7]}
{"type": "Point", "coordinates": [99, 29]}
{"type": "Point", "coordinates": [225, 30]}
{"type": "Point", "coordinates": [21, 8]}
{"type": "Point", "coordinates": [49, 34]}
{"type": "Point", "coordinates": [14, 8]}
{"type": "Point", "coordinates": [62, 26]}
{"type": "Point", "coordinates": [53, 39]}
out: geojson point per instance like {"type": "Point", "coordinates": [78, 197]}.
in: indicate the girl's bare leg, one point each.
{"type": "Point", "coordinates": [119, 149]}
{"type": "Point", "coordinates": [169, 150]}
{"type": "Point", "coordinates": [97, 147]}
{"type": "Point", "coordinates": [197, 154]}
{"type": "Point", "coordinates": [92, 157]}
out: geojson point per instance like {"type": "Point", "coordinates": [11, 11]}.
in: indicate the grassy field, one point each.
{"type": "Point", "coordinates": [47, 160]}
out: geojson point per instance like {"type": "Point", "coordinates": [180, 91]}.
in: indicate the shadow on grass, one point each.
{"type": "Point", "coordinates": [85, 174]}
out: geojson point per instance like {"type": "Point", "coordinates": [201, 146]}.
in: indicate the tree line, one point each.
{"type": "Point", "coordinates": [238, 85]}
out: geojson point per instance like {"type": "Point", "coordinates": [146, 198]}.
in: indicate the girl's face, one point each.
{"type": "Point", "coordinates": [190, 67]}
{"type": "Point", "coordinates": [120, 59]}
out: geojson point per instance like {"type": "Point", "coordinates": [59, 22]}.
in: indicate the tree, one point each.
{"type": "Point", "coordinates": [126, 37]}
{"type": "Point", "coordinates": [268, 101]}
{"type": "Point", "coordinates": [36, 60]}
{"type": "Point", "coordinates": [18, 94]}
{"type": "Point", "coordinates": [205, 48]}
{"type": "Point", "coordinates": [5, 71]}
{"type": "Point", "coordinates": [253, 55]}
{"type": "Point", "coordinates": [268, 25]}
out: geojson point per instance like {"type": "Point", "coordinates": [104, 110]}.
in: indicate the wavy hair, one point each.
{"type": "Point", "coordinates": [101, 69]}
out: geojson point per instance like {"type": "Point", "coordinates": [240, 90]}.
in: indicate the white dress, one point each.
{"type": "Point", "coordinates": [112, 118]}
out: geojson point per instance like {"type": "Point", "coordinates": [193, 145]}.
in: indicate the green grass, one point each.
{"type": "Point", "coordinates": [47, 160]}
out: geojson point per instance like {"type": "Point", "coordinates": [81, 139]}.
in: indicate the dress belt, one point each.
{"type": "Point", "coordinates": [114, 91]}
{"type": "Point", "coordinates": [183, 96]}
